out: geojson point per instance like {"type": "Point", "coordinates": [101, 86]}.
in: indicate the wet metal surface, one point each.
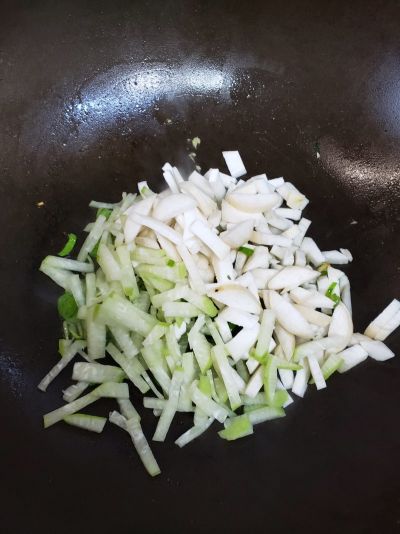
{"type": "Point", "coordinates": [95, 96]}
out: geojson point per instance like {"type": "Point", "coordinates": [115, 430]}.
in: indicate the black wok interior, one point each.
{"type": "Point", "coordinates": [95, 96]}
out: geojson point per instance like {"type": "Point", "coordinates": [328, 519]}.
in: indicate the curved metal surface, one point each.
{"type": "Point", "coordinates": [97, 95]}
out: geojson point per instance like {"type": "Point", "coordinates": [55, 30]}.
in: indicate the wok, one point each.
{"type": "Point", "coordinates": [95, 96]}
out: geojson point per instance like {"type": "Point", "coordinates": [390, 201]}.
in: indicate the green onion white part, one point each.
{"type": "Point", "coordinates": [210, 300]}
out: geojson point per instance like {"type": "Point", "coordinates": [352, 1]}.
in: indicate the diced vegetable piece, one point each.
{"type": "Point", "coordinates": [87, 422]}
{"type": "Point", "coordinates": [238, 427]}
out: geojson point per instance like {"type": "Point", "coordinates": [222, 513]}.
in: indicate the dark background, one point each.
{"type": "Point", "coordinates": [95, 95]}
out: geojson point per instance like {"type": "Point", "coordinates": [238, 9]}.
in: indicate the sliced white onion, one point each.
{"type": "Point", "coordinates": [234, 163]}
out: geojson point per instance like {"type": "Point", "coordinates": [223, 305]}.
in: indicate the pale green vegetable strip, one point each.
{"type": "Point", "coordinates": [214, 332]}
{"type": "Point", "coordinates": [175, 274]}
{"type": "Point", "coordinates": [57, 415]}
{"type": "Point", "coordinates": [180, 309]}
{"type": "Point", "coordinates": [131, 367]}
{"type": "Point", "coordinates": [201, 349]}
{"type": "Point", "coordinates": [202, 302]}
{"type": "Point", "coordinates": [193, 433]}
{"type": "Point", "coordinates": [90, 280]}
{"type": "Point", "coordinates": [270, 378]}
{"type": "Point", "coordinates": [96, 373]}
{"type": "Point", "coordinates": [142, 447]}
{"type": "Point", "coordinates": [60, 276]}
{"type": "Point", "coordinates": [61, 364]}
{"type": "Point", "coordinates": [117, 311]}
{"type": "Point", "coordinates": [222, 395]}
{"type": "Point", "coordinates": [96, 335]}
{"type": "Point", "coordinates": [92, 238]}
{"type": "Point", "coordinates": [237, 427]}
{"type": "Point", "coordinates": [156, 333]}
{"type": "Point", "coordinates": [104, 390]}
{"type": "Point", "coordinates": [282, 363]}
{"type": "Point", "coordinates": [154, 404]}
{"type": "Point", "coordinates": [108, 263]}
{"type": "Point", "coordinates": [112, 390]}
{"type": "Point", "coordinates": [69, 265]}
{"type": "Point", "coordinates": [265, 334]}
{"type": "Point", "coordinates": [266, 413]}
{"type": "Point", "coordinates": [221, 363]}
{"type": "Point", "coordinates": [200, 417]}
{"type": "Point", "coordinates": [74, 391]}
{"type": "Point", "coordinates": [128, 278]}
{"type": "Point", "coordinates": [149, 255]}
{"type": "Point", "coordinates": [176, 293]}
{"type": "Point", "coordinates": [170, 407]}
{"type": "Point", "coordinates": [251, 401]}
{"type": "Point", "coordinates": [132, 426]}
{"type": "Point", "coordinates": [331, 365]}
{"type": "Point", "coordinates": [127, 409]}
{"type": "Point", "coordinates": [210, 407]}
{"type": "Point", "coordinates": [92, 423]}
{"type": "Point", "coordinates": [124, 341]}
{"type": "Point", "coordinates": [75, 286]}
{"type": "Point", "coordinates": [151, 385]}
{"type": "Point", "coordinates": [173, 345]}
{"type": "Point", "coordinates": [156, 363]}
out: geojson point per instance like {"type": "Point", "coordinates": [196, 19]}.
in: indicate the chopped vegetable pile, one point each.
{"type": "Point", "coordinates": [209, 299]}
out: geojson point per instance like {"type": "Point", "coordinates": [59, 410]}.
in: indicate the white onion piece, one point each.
{"type": "Point", "coordinates": [238, 317]}
{"type": "Point", "coordinates": [234, 163]}
{"type": "Point", "coordinates": [217, 185]}
{"type": "Point", "coordinates": [385, 323]}
{"type": "Point", "coordinates": [289, 213]}
{"type": "Point", "coordinates": [253, 203]}
{"type": "Point", "coordinates": [169, 247]}
{"type": "Point", "coordinates": [357, 338]}
{"type": "Point", "coordinates": [302, 227]}
{"type": "Point", "coordinates": [240, 345]}
{"type": "Point", "coordinates": [294, 199]}
{"type": "Point", "coordinates": [223, 329]}
{"type": "Point", "coordinates": [311, 298]}
{"type": "Point", "coordinates": [173, 205]}
{"type": "Point", "coordinates": [259, 259]}
{"type": "Point", "coordinates": [261, 238]}
{"type": "Point", "coordinates": [277, 222]}
{"type": "Point", "coordinates": [255, 383]}
{"type": "Point", "coordinates": [289, 317]}
{"type": "Point", "coordinates": [157, 226]}
{"type": "Point", "coordinates": [204, 202]}
{"type": "Point", "coordinates": [236, 296]}
{"type": "Point", "coordinates": [345, 295]}
{"type": "Point", "coordinates": [195, 278]}
{"type": "Point", "coordinates": [230, 214]}
{"type": "Point", "coordinates": [312, 252]}
{"type": "Point", "coordinates": [286, 340]}
{"type": "Point", "coordinates": [377, 350]}
{"type": "Point", "coordinates": [300, 258]}
{"type": "Point", "coordinates": [313, 316]}
{"type": "Point", "coordinates": [335, 257]}
{"type": "Point", "coordinates": [213, 242]}
{"type": "Point", "coordinates": [276, 182]}
{"type": "Point", "coordinates": [223, 269]}
{"type": "Point", "coordinates": [200, 182]}
{"type": "Point", "coordinates": [341, 324]}
{"type": "Point", "coordinates": [132, 228]}
{"type": "Point", "coordinates": [238, 234]}
{"type": "Point", "coordinates": [287, 378]}
{"type": "Point", "coordinates": [316, 372]}
{"type": "Point", "coordinates": [262, 277]}
{"type": "Point", "coordinates": [291, 277]}
{"type": "Point", "coordinates": [301, 380]}
{"type": "Point", "coordinates": [352, 357]}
